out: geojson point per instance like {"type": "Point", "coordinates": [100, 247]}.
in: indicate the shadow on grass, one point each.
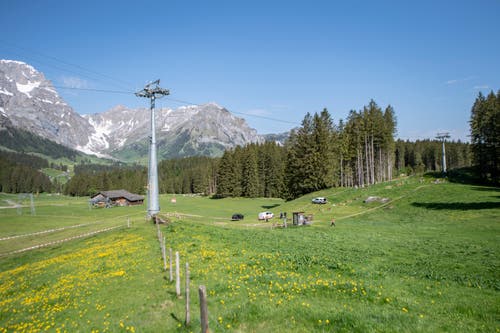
{"type": "Point", "coordinates": [457, 205]}
{"type": "Point", "coordinates": [271, 206]}
{"type": "Point", "coordinates": [486, 188]}
{"type": "Point", "coordinates": [466, 175]}
{"type": "Point", "coordinates": [175, 318]}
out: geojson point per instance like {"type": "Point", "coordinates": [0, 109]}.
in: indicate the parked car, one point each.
{"type": "Point", "coordinates": [319, 200]}
{"type": "Point", "coordinates": [265, 215]}
{"type": "Point", "coordinates": [237, 217]}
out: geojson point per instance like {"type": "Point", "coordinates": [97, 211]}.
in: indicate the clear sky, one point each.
{"type": "Point", "coordinates": [275, 59]}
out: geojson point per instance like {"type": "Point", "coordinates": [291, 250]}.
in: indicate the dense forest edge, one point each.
{"type": "Point", "coordinates": [320, 154]}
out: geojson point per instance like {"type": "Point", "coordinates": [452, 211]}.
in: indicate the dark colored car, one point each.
{"type": "Point", "coordinates": [237, 217]}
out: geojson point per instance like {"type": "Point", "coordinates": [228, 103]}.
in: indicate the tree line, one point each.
{"type": "Point", "coordinates": [256, 170]}
{"type": "Point", "coordinates": [181, 175]}
{"type": "Point", "coordinates": [321, 153]}
{"type": "Point", "coordinates": [20, 173]}
{"type": "Point", "coordinates": [89, 179]}
{"type": "Point", "coordinates": [485, 136]}
{"type": "Point", "coordinates": [427, 155]}
{"type": "Point", "coordinates": [357, 152]}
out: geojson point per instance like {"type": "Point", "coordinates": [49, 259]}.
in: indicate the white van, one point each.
{"type": "Point", "coordinates": [265, 215]}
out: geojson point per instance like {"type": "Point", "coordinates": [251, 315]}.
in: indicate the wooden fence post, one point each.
{"type": "Point", "coordinates": [188, 314]}
{"type": "Point", "coordinates": [203, 309]}
{"type": "Point", "coordinates": [164, 255]}
{"type": "Point", "coordinates": [171, 273]}
{"type": "Point", "coordinates": [177, 275]}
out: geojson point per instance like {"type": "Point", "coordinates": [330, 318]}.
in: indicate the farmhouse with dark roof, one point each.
{"type": "Point", "coordinates": [116, 198]}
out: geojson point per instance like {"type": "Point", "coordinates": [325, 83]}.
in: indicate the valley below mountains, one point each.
{"type": "Point", "coordinates": [28, 101]}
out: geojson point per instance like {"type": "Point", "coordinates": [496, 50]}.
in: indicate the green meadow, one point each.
{"type": "Point", "coordinates": [425, 259]}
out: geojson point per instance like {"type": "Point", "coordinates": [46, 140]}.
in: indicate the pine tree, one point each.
{"type": "Point", "coordinates": [300, 151]}
{"type": "Point", "coordinates": [388, 144]}
{"type": "Point", "coordinates": [225, 174]}
{"type": "Point", "coordinates": [250, 175]}
{"type": "Point", "coordinates": [324, 146]}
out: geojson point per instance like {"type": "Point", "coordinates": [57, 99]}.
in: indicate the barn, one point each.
{"type": "Point", "coordinates": [117, 198]}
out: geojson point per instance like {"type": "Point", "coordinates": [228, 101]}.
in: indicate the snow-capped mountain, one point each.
{"type": "Point", "coordinates": [30, 102]}
{"type": "Point", "coordinates": [189, 130]}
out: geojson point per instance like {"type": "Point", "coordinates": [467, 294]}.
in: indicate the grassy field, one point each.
{"type": "Point", "coordinates": [424, 261]}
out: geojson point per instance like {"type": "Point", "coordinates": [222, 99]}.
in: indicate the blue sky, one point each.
{"type": "Point", "coordinates": [274, 59]}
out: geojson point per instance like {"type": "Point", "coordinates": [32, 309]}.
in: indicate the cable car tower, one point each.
{"type": "Point", "coordinates": [443, 137]}
{"type": "Point", "coordinates": [153, 91]}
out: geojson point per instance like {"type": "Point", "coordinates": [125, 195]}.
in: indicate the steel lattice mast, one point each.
{"type": "Point", "coordinates": [443, 137]}
{"type": "Point", "coordinates": [153, 196]}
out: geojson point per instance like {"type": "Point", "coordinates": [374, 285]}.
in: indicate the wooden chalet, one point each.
{"type": "Point", "coordinates": [116, 198]}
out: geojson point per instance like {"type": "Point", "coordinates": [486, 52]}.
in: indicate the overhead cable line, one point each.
{"type": "Point", "coordinates": [96, 90]}
{"type": "Point", "coordinates": [177, 101]}
{"type": "Point", "coordinates": [61, 69]}
{"type": "Point", "coordinates": [236, 112]}
{"type": "Point", "coordinates": [123, 83]}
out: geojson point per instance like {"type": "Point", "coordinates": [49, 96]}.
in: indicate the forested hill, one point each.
{"type": "Point", "coordinates": [21, 173]}
{"type": "Point", "coordinates": [19, 140]}
{"type": "Point", "coordinates": [20, 170]}
{"type": "Point", "coordinates": [21, 167]}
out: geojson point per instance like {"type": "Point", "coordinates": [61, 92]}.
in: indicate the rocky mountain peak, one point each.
{"type": "Point", "coordinates": [29, 101]}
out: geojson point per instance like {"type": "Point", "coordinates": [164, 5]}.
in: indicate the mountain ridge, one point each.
{"type": "Point", "coordinates": [30, 102]}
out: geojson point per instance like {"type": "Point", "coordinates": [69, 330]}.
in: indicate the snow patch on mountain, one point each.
{"type": "Point", "coordinates": [5, 92]}
{"type": "Point", "coordinates": [28, 87]}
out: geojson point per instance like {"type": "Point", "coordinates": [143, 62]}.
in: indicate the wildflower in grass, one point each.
{"type": "Point", "coordinates": [404, 309]}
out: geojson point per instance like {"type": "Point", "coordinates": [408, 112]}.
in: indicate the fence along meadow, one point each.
{"type": "Point", "coordinates": [202, 291]}
{"type": "Point", "coordinates": [56, 236]}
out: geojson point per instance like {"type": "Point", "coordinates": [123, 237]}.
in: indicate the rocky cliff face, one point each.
{"type": "Point", "coordinates": [30, 102]}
